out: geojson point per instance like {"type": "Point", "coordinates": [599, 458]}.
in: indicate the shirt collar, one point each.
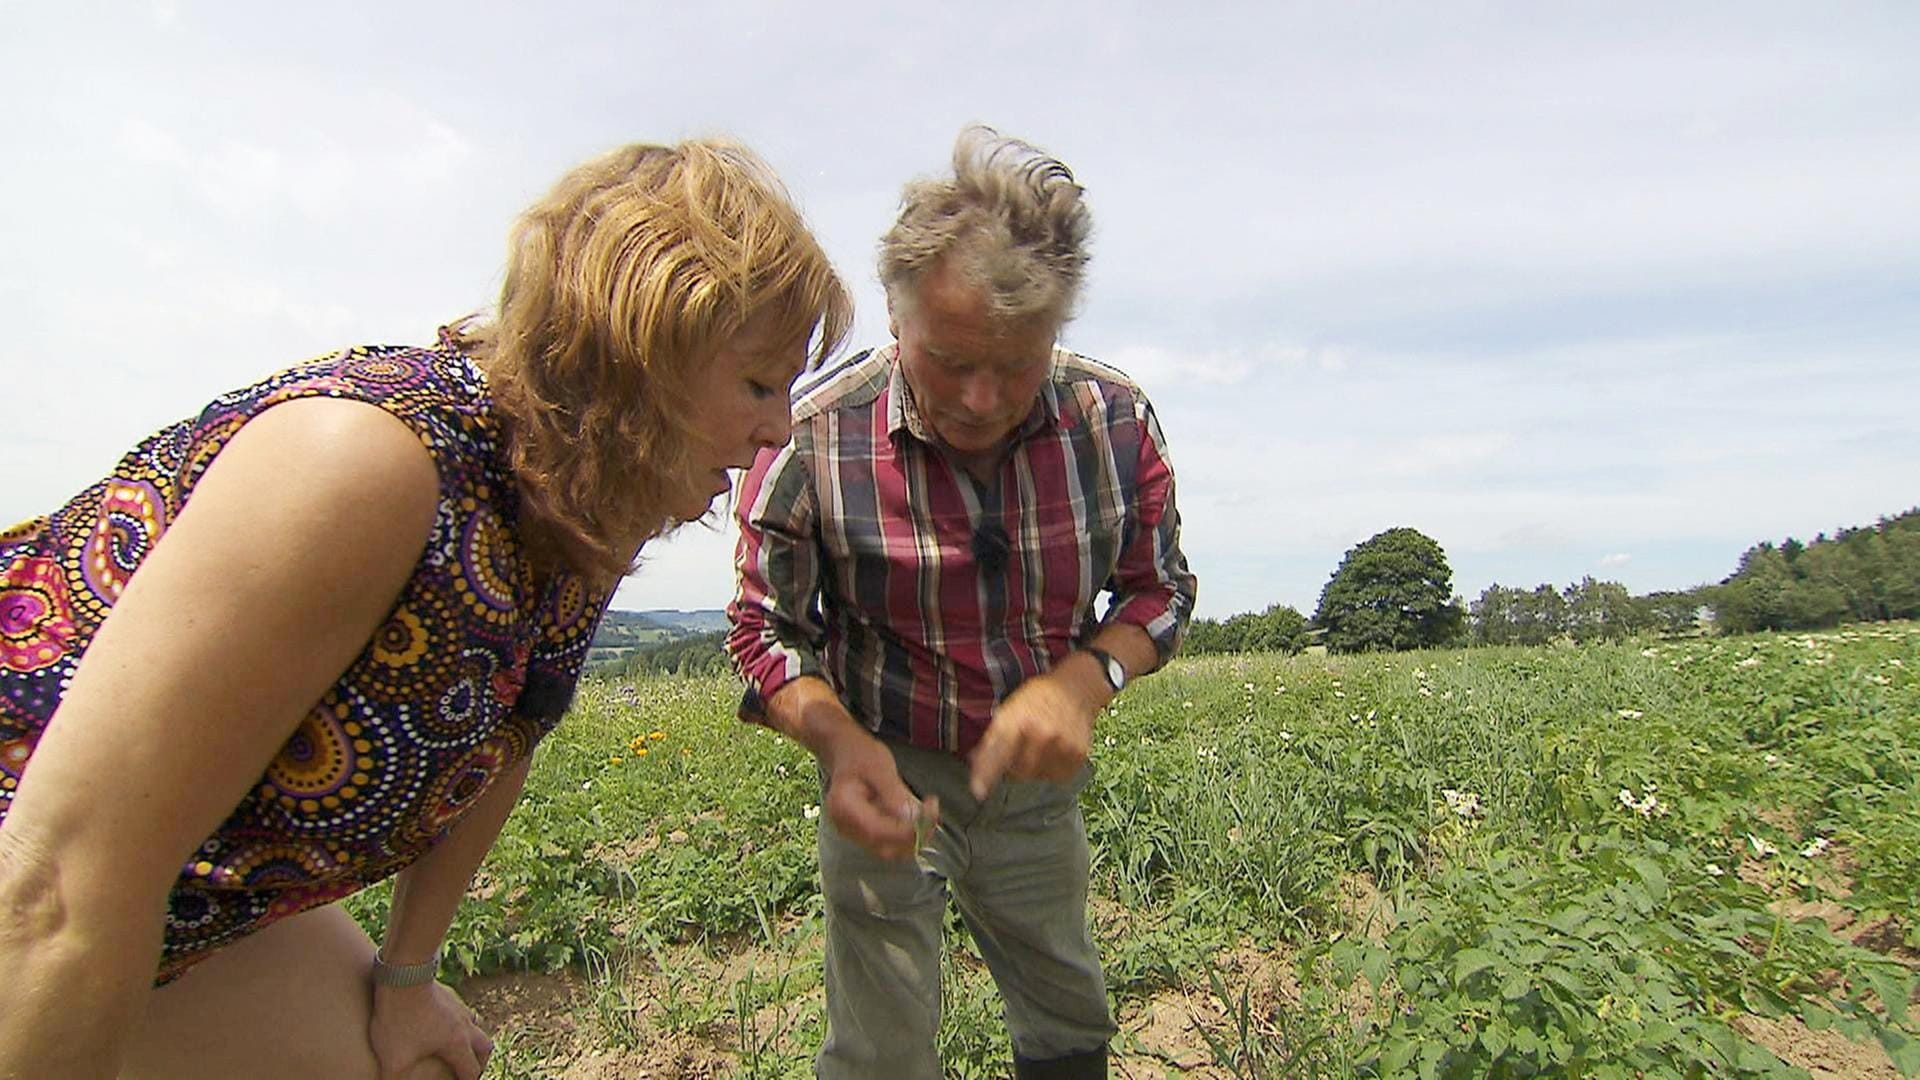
{"type": "Point", "coordinates": [903, 414]}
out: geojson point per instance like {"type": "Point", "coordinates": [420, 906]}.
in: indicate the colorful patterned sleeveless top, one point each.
{"type": "Point", "coordinates": [475, 664]}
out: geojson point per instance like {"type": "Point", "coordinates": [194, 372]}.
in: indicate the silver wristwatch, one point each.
{"type": "Point", "coordinates": [1110, 667]}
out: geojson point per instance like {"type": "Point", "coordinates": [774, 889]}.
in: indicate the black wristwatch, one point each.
{"type": "Point", "coordinates": [1110, 667]}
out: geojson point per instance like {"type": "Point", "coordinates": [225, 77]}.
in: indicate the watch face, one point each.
{"type": "Point", "coordinates": [1116, 673]}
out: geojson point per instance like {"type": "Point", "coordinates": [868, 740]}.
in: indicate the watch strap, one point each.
{"type": "Point", "coordinates": [396, 975]}
{"type": "Point", "coordinates": [1109, 666]}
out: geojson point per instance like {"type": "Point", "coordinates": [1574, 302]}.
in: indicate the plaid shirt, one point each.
{"type": "Point", "coordinates": [924, 597]}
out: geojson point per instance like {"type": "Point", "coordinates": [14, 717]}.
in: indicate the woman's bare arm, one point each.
{"type": "Point", "coordinates": [294, 545]}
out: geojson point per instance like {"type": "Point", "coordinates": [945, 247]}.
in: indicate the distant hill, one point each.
{"type": "Point", "coordinates": [629, 628]}
{"type": "Point", "coordinates": [621, 632]}
{"type": "Point", "coordinates": [704, 621]}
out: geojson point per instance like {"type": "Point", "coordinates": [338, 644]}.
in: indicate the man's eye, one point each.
{"type": "Point", "coordinates": [761, 390]}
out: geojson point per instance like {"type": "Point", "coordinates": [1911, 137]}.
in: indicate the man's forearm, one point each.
{"type": "Point", "coordinates": [808, 711]}
{"type": "Point", "coordinates": [1127, 643]}
{"type": "Point", "coordinates": [1131, 645]}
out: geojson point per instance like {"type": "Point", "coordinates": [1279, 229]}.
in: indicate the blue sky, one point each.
{"type": "Point", "coordinates": [1610, 289]}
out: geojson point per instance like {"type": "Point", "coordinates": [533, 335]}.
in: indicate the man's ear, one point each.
{"type": "Point", "coordinates": [893, 320]}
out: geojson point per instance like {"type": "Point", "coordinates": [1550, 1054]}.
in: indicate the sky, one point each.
{"type": "Point", "coordinates": [1575, 289]}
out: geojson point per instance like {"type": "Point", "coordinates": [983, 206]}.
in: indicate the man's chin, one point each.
{"type": "Point", "coordinates": [972, 440]}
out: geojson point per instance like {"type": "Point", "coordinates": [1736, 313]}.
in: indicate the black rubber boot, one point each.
{"type": "Point", "coordinates": [1085, 1065]}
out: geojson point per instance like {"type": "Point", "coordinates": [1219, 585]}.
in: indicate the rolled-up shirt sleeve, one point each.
{"type": "Point", "coordinates": [776, 629]}
{"type": "Point", "coordinates": [1151, 586]}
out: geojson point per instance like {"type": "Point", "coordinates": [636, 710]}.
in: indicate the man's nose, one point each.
{"type": "Point", "coordinates": [981, 395]}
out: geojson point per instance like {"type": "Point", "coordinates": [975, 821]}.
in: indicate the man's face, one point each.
{"type": "Point", "coordinates": [973, 380]}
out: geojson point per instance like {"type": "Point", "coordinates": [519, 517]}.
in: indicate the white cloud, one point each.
{"type": "Point", "coordinates": [1615, 560]}
{"type": "Point", "coordinates": [689, 570]}
{"type": "Point", "coordinates": [1551, 290]}
{"type": "Point", "coordinates": [1152, 365]}
{"type": "Point", "coordinates": [371, 146]}
{"type": "Point", "coordinates": [1435, 455]}
{"type": "Point", "coordinates": [441, 153]}
{"type": "Point", "coordinates": [146, 144]}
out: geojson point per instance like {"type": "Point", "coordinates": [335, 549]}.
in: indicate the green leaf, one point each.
{"type": "Point", "coordinates": [1399, 1056]}
{"type": "Point", "coordinates": [1723, 1040]}
{"type": "Point", "coordinates": [1565, 980]}
{"type": "Point", "coordinates": [1376, 965]}
{"type": "Point", "coordinates": [1569, 921]}
{"type": "Point", "coordinates": [1755, 1058]}
{"type": "Point", "coordinates": [1659, 1033]}
{"type": "Point", "coordinates": [1650, 873]}
{"type": "Point", "coordinates": [1516, 986]}
{"type": "Point", "coordinates": [1853, 1027]}
{"type": "Point", "coordinates": [1469, 962]}
{"type": "Point", "coordinates": [1558, 1048]}
{"type": "Point", "coordinates": [1532, 954]}
{"type": "Point", "coordinates": [1893, 991]}
{"type": "Point", "coordinates": [1347, 957]}
{"type": "Point", "coordinates": [1903, 1051]}
{"type": "Point", "coordinates": [1495, 1040]}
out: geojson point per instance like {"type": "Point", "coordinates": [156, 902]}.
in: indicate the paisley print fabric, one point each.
{"type": "Point", "coordinates": [476, 662]}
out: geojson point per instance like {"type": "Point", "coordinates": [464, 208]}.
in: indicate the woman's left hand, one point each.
{"type": "Point", "coordinates": [414, 1023]}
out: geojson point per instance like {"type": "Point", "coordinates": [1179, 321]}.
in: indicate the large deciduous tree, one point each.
{"type": "Point", "coordinates": [1392, 592]}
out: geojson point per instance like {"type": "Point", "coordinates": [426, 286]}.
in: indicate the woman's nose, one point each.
{"type": "Point", "coordinates": [776, 425]}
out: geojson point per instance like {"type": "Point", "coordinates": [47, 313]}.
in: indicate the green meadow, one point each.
{"type": "Point", "coordinates": [1655, 858]}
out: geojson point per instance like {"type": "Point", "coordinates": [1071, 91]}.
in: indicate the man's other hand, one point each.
{"type": "Point", "coordinates": [1042, 731]}
{"type": "Point", "coordinates": [866, 799]}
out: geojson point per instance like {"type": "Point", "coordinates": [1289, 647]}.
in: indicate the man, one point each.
{"type": "Point", "coordinates": [918, 571]}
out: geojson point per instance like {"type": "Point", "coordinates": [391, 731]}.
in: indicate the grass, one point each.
{"type": "Point", "coordinates": [1592, 858]}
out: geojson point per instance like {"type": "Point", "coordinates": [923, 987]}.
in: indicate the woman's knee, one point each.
{"type": "Point", "coordinates": [295, 994]}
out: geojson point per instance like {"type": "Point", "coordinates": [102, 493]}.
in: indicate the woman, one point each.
{"type": "Point", "coordinates": [336, 657]}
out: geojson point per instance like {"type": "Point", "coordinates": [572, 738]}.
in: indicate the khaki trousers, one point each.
{"type": "Point", "coordinates": [1017, 867]}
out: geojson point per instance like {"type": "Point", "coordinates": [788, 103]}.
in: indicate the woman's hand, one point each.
{"type": "Point", "coordinates": [413, 1024]}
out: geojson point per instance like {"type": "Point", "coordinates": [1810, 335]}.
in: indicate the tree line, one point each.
{"type": "Point", "coordinates": [1866, 574]}
{"type": "Point", "coordinates": [698, 654]}
{"type": "Point", "coordinates": [1394, 591]}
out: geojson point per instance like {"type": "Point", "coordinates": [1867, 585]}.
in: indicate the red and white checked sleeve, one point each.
{"type": "Point", "coordinates": [1151, 585]}
{"type": "Point", "coordinates": [776, 629]}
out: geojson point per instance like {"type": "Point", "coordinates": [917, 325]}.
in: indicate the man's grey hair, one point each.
{"type": "Point", "coordinates": [1011, 221]}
